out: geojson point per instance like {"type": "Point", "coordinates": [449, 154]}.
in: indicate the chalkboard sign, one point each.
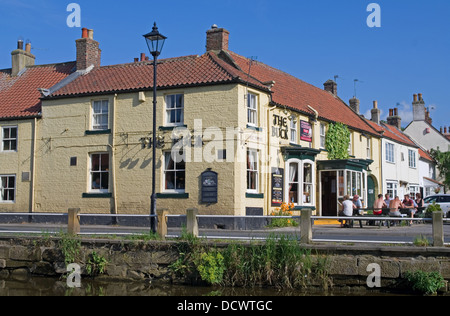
{"type": "Point", "coordinates": [209, 187]}
{"type": "Point", "coordinates": [277, 186]}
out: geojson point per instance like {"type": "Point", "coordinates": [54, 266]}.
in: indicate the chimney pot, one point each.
{"type": "Point", "coordinates": [395, 112]}
{"type": "Point", "coordinates": [415, 97]}
{"type": "Point", "coordinates": [375, 104]}
{"type": "Point", "coordinates": [391, 112]}
{"type": "Point", "coordinates": [90, 34]}
{"type": "Point", "coordinates": [420, 97]}
{"type": "Point", "coordinates": [445, 130]}
{"type": "Point", "coordinates": [142, 56]}
{"type": "Point", "coordinates": [84, 33]}
{"type": "Point", "coordinates": [28, 47]}
{"type": "Point", "coordinates": [20, 44]}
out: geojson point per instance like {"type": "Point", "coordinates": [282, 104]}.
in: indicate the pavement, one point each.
{"type": "Point", "coordinates": [321, 233]}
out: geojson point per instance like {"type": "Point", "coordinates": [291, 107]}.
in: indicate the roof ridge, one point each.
{"type": "Point", "coordinates": [150, 62]}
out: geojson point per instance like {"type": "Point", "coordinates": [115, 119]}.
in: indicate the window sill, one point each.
{"type": "Point", "coordinates": [179, 196]}
{"type": "Point", "coordinates": [254, 195]}
{"type": "Point", "coordinates": [305, 207]}
{"type": "Point", "coordinates": [171, 128]}
{"type": "Point", "coordinates": [97, 195]}
{"type": "Point", "coordinates": [100, 132]}
{"type": "Point", "coordinates": [258, 129]}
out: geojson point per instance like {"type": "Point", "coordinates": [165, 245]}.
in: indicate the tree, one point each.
{"type": "Point", "coordinates": [443, 165]}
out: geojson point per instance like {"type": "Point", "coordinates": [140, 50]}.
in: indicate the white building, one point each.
{"type": "Point", "coordinates": [421, 129]}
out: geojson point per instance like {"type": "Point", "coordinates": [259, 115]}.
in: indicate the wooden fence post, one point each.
{"type": "Point", "coordinates": [438, 229]}
{"type": "Point", "coordinates": [306, 226]}
{"type": "Point", "coordinates": [162, 223]}
{"type": "Point", "coordinates": [192, 221]}
{"type": "Point", "coordinates": [73, 225]}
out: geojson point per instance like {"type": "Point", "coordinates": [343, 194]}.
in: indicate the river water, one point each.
{"type": "Point", "coordinates": [39, 286]}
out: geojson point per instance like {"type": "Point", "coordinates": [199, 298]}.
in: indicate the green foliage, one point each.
{"type": "Point", "coordinates": [425, 282]}
{"type": "Point", "coordinates": [337, 141]}
{"type": "Point", "coordinates": [280, 262]}
{"type": "Point", "coordinates": [421, 241]}
{"type": "Point", "coordinates": [211, 266]}
{"type": "Point", "coordinates": [443, 164]}
{"type": "Point", "coordinates": [432, 208]}
{"type": "Point", "coordinates": [96, 264]}
{"type": "Point", "coordinates": [70, 247]}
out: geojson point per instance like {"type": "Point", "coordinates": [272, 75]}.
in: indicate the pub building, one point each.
{"type": "Point", "coordinates": [235, 137]}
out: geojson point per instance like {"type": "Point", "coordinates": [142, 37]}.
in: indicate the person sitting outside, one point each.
{"type": "Point", "coordinates": [357, 202]}
{"type": "Point", "coordinates": [347, 209]}
{"type": "Point", "coordinates": [379, 205]}
{"type": "Point", "coordinates": [395, 206]}
{"type": "Point", "coordinates": [409, 204]}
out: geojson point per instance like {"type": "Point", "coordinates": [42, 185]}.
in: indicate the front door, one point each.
{"type": "Point", "coordinates": [370, 192]}
{"type": "Point", "coordinates": [329, 193]}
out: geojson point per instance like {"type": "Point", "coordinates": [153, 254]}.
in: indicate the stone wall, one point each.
{"type": "Point", "coordinates": [138, 260]}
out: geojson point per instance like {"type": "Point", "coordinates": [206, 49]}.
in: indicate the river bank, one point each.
{"type": "Point", "coordinates": [342, 266]}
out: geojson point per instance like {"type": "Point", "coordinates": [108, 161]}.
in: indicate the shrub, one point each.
{"type": "Point", "coordinates": [284, 210]}
{"type": "Point", "coordinates": [425, 282]}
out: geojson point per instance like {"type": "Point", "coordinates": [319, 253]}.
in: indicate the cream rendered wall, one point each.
{"type": "Point", "coordinates": [18, 162]}
{"type": "Point", "coordinates": [63, 136]}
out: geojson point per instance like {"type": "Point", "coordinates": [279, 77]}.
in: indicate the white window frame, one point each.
{"type": "Point", "coordinates": [92, 172]}
{"type": "Point", "coordinates": [294, 131]}
{"type": "Point", "coordinates": [392, 189]}
{"type": "Point", "coordinates": [253, 169]}
{"type": "Point", "coordinates": [9, 139]}
{"type": "Point", "coordinates": [97, 114]}
{"type": "Point", "coordinates": [174, 108]}
{"type": "Point", "coordinates": [390, 152]}
{"type": "Point", "coordinates": [301, 183]}
{"type": "Point", "coordinates": [252, 109]}
{"type": "Point", "coordinates": [175, 170]}
{"type": "Point", "coordinates": [323, 133]}
{"type": "Point", "coordinates": [2, 189]}
{"type": "Point", "coordinates": [369, 148]}
{"type": "Point", "coordinates": [412, 159]}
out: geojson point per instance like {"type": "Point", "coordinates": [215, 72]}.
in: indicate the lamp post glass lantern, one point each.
{"type": "Point", "coordinates": [155, 42]}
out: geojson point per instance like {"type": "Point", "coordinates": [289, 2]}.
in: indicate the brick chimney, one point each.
{"type": "Point", "coordinates": [419, 110]}
{"type": "Point", "coordinates": [21, 58]}
{"type": "Point", "coordinates": [393, 118]}
{"type": "Point", "coordinates": [217, 39]}
{"type": "Point", "coordinates": [354, 105]}
{"type": "Point", "coordinates": [331, 86]}
{"type": "Point", "coordinates": [376, 113]}
{"type": "Point", "coordinates": [88, 51]}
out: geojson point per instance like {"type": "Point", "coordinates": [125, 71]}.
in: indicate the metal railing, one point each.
{"type": "Point", "coordinates": [192, 217]}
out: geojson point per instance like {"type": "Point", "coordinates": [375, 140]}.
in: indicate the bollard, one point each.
{"type": "Point", "coordinates": [438, 229]}
{"type": "Point", "coordinates": [73, 225]}
{"type": "Point", "coordinates": [162, 223]}
{"type": "Point", "coordinates": [306, 227]}
{"type": "Point", "coordinates": [192, 222]}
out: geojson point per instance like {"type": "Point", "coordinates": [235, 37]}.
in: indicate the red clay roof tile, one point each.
{"type": "Point", "coordinates": [19, 96]}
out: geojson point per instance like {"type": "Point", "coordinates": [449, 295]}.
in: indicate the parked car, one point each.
{"type": "Point", "coordinates": [442, 199]}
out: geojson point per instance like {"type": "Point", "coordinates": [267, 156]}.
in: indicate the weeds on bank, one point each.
{"type": "Point", "coordinates": [279, 262]}
{"type": "Point", "coordinates": [427, 283]}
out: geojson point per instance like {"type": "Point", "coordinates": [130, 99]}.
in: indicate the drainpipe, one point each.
{"type": "Point", "coordinates": [113, 154]}
{"type": "Point", "coordinates": [269, 174]}
{"type": "Point", "coordinates": [33, 167]}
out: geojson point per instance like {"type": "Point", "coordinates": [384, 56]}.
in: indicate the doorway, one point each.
{"type": "Point", "coordinates": [329, 193]}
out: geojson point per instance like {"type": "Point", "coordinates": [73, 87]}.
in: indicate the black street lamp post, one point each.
{"type": "Point", "coordinates": [155, 42]}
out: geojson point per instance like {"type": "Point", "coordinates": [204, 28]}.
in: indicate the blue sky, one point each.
{"type": "Point", "coordinates": [312, 40]}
